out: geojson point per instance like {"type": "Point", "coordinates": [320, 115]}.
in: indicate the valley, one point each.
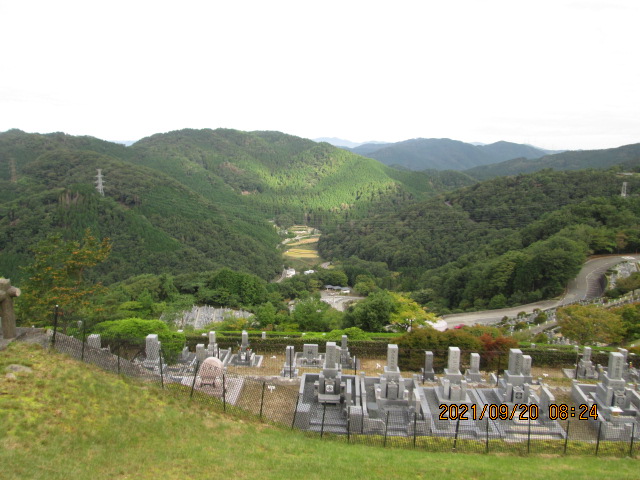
{"type": "Point", "coordinates": [181, 207]}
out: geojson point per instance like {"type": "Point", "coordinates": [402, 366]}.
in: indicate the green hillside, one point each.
{"type": "Point", "coordinates": [518, 239]}
{"type": "Point", "coordinates": [278, 174]}
{"type": "Point", "coordinates": [156, 223]}
{"type": "Point", "coordinates": [190, 200]}
{"type": "Point", "coordinates": [627, 156]}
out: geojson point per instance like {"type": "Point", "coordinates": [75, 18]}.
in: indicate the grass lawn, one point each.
{"type": "Point", "coordinates": [68, 420]}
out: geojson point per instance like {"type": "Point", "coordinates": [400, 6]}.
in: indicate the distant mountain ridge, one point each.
{"type": "Point", "coordinates": [445, 154]}
{"type": "Point", "coordinates": [628, 156]}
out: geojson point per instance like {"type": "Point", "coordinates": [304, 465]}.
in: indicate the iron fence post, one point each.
{"type": "Point", "coordinates": [55, 326]}
{"type": "Point", "coordinates": [262, 398]}
{"type": "Point", "coordinates": [324, 412]}
{"type": "Point", "coordinates": [598, 439]}
{"type": "Point", "coordinates": [386, 427]}
{"type": "Point", "coordinates": [486, 447]}
{"type": "Point", "coordinates": [195, 375]}
{"type": "Point", "coordinates": [84, 332]}
{"type": "Point", "coordinates": [566, 438]}
{"type": "Point", "coordinates": [455, 438]}
{"type": "Point", "coordinates": [295, 412]}
{"type": "Point", "coordinates": [224, 392]}
{"type": "Point", "coordinates": [161, 372]}
{"type": "Point", "coordinates": [633, 432]}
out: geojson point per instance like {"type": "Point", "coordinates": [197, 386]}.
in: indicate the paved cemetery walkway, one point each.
{"type": "Point", "coordinates": [585, 286]}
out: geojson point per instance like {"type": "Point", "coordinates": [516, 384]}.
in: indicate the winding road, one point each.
{"type": "Point", "coordinates": [586, 285]}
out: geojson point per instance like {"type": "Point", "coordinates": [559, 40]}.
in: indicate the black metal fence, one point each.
{"type": "Point", "coordinates": [267, 393]}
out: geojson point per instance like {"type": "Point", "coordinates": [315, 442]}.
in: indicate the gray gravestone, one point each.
{"type": "Point", "coordinates": [474, 366]}
{"type": "Point", "coordinates": [152, 350]}
{"type": "Point", "coordinates": [515, 361]}
{"type": "Point", "coordinates": [331, 356]}
{"type": "Point", "coordinates": [310, 351]}
{"type": "Point", "coordinates": [616, 366]}
{"type": "Point", "coordinates": [392, 357]}
{"type": "Point", "coordinates": [526, 365]}
{"type": "Point", "coordinates": [428, 373]}
{"type": "Point", "coordinates": [453, 363]}
{"type": "Point", "coordinates": [94, 340]}
{"type": "Point", "coordinates": [201, 352]}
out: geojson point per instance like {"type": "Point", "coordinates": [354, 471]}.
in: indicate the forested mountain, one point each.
{"type": "Point", "coordinates": [280, 175]}
{"type": "Point", "coordinates": [506, 241]}
{"type": "Point", "coordinates": [197, 200]}
{"type": "Point", "coordinates": [445, 154]}
{"type": "Point", "coordinates": [628, 156]}
{"type": "Point", "coordinates": [156, 223]}
{"type": "Point", "coordinates": [188, 200]}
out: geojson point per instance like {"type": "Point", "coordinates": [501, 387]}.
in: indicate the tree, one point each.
{"type": "Point", "coordinates": [407, 314]}
{"type": "Point", "coordinates": [589, 324]}
{"type": "Point", "coordinates": [312, 314]}
{"type": "Point", "coordinates": [373, 313]}
{"type": "Point", "coordinates": [56, 277]}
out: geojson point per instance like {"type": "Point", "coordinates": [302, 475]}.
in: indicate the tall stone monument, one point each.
{"type": "Point", "coordinates": [7, 292]}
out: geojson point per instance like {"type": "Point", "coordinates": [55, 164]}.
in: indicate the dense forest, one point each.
{"type": "Point", "coordinates": [626, 157]}
{"type": "Point", "coordinates": [503, 242]}
{"type": "Point", "coordinates": [192, 200]}
{"type": "Point", "coordinates": [196, 216]}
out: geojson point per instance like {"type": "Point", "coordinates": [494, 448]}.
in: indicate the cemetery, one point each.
{"type": "Point", "coordinates": [461, 402]}
{"type": "Point", "coordinates": [616, 402]}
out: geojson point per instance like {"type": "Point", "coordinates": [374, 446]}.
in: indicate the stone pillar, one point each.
{"type": "Point", "coordinates": [7, 292]}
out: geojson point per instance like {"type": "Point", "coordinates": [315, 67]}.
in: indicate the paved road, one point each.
{"type": "Point", "coordinates": [585, 285]}
{"type": "Point", "coordinates": [337, 301]}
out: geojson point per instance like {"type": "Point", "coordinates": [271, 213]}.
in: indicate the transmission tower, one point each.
{"type": "Point", "coordinates": [99, 185]}
{"type": "Point", "coordinates": [12, 170]}
{"type": "Point", "coordinates": [623, 194]}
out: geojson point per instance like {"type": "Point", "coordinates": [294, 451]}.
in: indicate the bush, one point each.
{"type": "Point", "coordinates": [135, 330]}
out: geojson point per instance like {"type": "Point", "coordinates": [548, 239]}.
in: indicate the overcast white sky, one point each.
{"type": "Point", "coordinates": [553, 73]}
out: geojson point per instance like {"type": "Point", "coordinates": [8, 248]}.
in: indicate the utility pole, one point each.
{"type": "Point", "coordinates": [99, 185]}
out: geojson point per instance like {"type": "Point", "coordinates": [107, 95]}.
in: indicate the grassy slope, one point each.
{"type": "Point", "coordinates": [67, 420]}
